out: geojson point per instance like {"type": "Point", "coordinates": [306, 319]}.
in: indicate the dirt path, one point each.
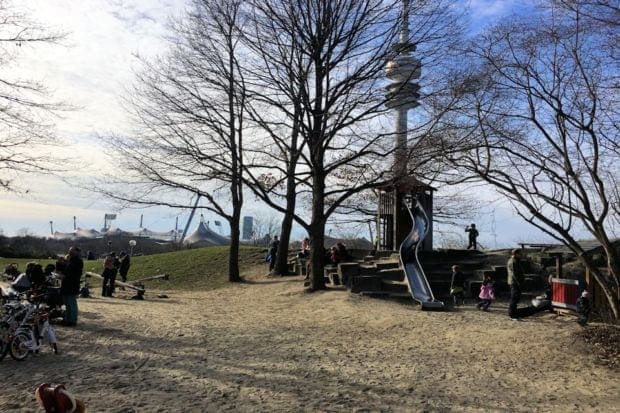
{"type": "Point", "coordinates": [267, 346]}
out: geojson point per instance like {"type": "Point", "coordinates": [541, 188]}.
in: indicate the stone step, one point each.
{"type": "Point", "coordinates": [392, 274]}
{"type": "Point", "coordinates": [365, 284]}
{"type": "Point", "coordinates": [384, 265]}
{"type": "Point", "coordinates": [347, 270]}
{"type": "Point", "coordinates": [365, 269]}
{"type": "Point", "coordinates": [395, 287]}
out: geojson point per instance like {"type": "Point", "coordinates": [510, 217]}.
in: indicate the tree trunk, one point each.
{"type": "Point", "coordinates": [233, 255]}
{"type": "Point", "coordinates": [281, 267]}
{"type": "Point", "coordinates": [613, 291]}
{"type": "Point", "coordinates": [606, 284]}
{"type": "Point", "coordinates": [317, 256]}
{"type": "Point", "coordinates": [317, 234]}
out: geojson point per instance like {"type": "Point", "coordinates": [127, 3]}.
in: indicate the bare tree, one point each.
{"type": "Point", "coordinates": [534, 114]}
{"type": "Point", "coordinates": [190, 108]}
{"type": "Point", "coordinates": [323, 64]}
{"type": "Point", "coordinates": [25, 108]}
{"type": "Point", "coordinates": [264, 227]}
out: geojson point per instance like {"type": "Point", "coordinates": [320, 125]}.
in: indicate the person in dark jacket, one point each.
{"type": "Point", "coordinates": [109, 275]}
{"type": "Point", "coordinates": [123, 269]}
{"type": "Point", "coordinates": [516, 277]}
{"type": "Point", "coordinates": [273, 252]}
{"type": "Point", "coordinates": [70, 285]}
{"type": "Point", "coordinates": [37, 277]}
{"type": "Point", "coordinates": [583, 308]}
{"type": "Point", "coordinates": [473, 236]}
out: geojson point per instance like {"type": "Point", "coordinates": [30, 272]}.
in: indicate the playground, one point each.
{"type": "Point", "coordinates": [267, 346]}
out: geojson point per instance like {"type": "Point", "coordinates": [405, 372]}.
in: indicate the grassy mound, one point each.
{"type": "Point", "coordinates": [200, 268]}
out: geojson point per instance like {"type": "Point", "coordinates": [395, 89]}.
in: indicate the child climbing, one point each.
{"type": "Point", "coordinates": [487, 293]}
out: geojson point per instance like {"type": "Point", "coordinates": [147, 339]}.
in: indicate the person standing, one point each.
{"type": "Point", "coordinates": [273, 252]}
{"type": "Point", "coordinates": [70, 285]}
{"type": "Point", "coordinates": [473, 235]}
{"type": "Point", "coordinates": [305, 248]}
{"type": "Point", "coordinates": [515, 281]}
{"type": "Point", "coordinates": [109, 275]}
{"type": "Point", "coordinates": [457, 285]}
{"type": "Point", "coordinates": [583, 308]}
{"type": "Point", "coordinates": [124, 266]}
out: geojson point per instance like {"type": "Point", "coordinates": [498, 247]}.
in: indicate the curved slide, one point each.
{"type": "Point", "coordinates": [418, 284]}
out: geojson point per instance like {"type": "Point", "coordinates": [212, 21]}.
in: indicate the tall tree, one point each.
{"type": "Point", "coordinates": [534, 114]}
{"type": "Point", "coordinates": [26, 126]}
{"type": "Point", "coordinates": [189, 105]}
{"type": "Point", "coordinates": [323, 67]}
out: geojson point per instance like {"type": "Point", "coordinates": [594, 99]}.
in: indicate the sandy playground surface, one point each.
{"type": "Point", "coordinates": [266, 346]}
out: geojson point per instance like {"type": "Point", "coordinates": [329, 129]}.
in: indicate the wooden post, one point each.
{"type": "Point", "coordinates": [558, 264]}
{"type": "Point", "coordinates": [591, 287]}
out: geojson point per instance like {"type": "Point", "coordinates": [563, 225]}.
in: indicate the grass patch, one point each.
{"type": "Point", "coordinates": [192, 269]}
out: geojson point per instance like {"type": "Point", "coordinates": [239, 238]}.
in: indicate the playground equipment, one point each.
{"type": "Point", "coordinates": [418, 283]}
{"type": "Point", "coordinates": [136, 285]}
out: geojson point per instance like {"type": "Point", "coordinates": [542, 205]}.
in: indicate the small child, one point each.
{"type": "Point", "coordinates": [583, 308]}
{"type": "Point", "coordinates": [473, 235]}
{"type": "Point", "coordinates": [487, 294]}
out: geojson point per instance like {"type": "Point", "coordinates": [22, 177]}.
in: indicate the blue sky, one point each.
{"type": "Point", "coordinates": [91, 71]}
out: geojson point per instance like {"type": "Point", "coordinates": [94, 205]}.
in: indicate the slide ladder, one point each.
{"type": "Point", "coordinates": [418, 284]}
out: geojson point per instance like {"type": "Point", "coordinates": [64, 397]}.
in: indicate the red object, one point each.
{"type": "Point", "coordinates": [56, 399]}
{"type": "Point", "coordinates": [564, 293]}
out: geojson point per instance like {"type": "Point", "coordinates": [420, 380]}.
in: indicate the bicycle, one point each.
{"type": "Point", "coordinates": [14, 314]}
{"type": "Point", "coordinates": [27, 337]}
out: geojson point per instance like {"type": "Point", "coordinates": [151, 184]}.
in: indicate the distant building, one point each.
{"type": "Point", "coordinates": [248, 224]}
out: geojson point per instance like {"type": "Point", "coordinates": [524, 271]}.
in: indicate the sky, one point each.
{"type": "Point", "coordinates": [91, 71]}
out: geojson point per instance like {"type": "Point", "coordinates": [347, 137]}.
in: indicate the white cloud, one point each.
{"type": "Point", "coordinates": [96, 61]}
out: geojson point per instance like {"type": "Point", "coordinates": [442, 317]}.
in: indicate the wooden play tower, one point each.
{"type": "Point", "coordinates": [393, 220]}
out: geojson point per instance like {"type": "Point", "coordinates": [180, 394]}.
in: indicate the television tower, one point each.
{"type": "Point", "coordinates": [403, 93]}
{"type": "Point", "coordinates": [403, 70]}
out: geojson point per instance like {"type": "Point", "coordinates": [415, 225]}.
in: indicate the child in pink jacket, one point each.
{"type": "Point", "coordinates": [487, 294]}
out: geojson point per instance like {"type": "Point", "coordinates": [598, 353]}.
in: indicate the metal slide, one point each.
{"type": "Point", "coordinates": [418, 284]}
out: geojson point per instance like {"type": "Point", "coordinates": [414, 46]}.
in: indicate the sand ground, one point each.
{"type": "Point", "coordinates": [266, 346]}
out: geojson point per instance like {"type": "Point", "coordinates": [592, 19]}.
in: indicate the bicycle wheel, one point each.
{"type": "Point", "coordinates": [20, 346]}
{"type": "Point", "coordinates": [4, 339]}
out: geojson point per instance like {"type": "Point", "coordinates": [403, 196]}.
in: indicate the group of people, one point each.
{"type": "Point", "coordinates": [34, 278]}
{"type": "Point", "coordinates": [337, 253]}
{"type": "Point", "coordinates": [487, 291]}
{"type": "Point", "coordinates": [68, 269]}
{"type": "Point", "coordinates": [457, 289]}
{"type": "Point", "coordinates": [114, 265]}
{"type": "Point", "coordinates": [515, 280]}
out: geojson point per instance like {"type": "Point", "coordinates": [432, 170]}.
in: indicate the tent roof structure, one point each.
{"type": "Point", "coordinates": [83, 233]}
{"type": "Point", "coordinates": [202, 235]}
